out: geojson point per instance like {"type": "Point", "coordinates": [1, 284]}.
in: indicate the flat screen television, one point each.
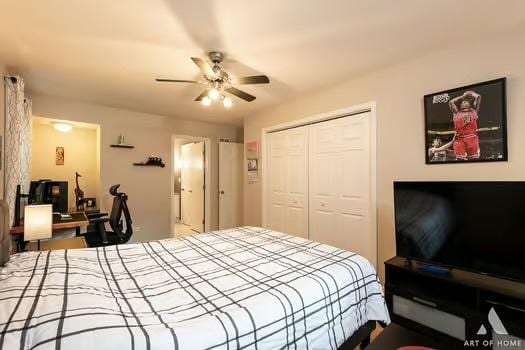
{"type": "Point", "coordinates": [477, 226]}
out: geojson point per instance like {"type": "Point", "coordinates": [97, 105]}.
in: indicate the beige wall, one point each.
{"type": "Point", "coordinates": [399, 91]}
{"type": "Point", "coordinates": [149, 188]}
{"type": "Point", "coordinates": [80, 155]}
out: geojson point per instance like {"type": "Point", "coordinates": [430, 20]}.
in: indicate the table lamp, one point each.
{"type": "Point", "coordinates": [38, 222]}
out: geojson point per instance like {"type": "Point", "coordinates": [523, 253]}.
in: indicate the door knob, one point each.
{"type": "Point", "coordinates": [323, 204]}
{"type": "Point", "coordinates": [190, 191]}
{"type": "Point", "coordinates": [221, 192]}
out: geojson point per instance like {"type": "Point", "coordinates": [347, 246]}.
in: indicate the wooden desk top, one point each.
{"type": "Point", "coordinates": [57, 244]}
{"type": "Point", "coordinates": [79, 220]}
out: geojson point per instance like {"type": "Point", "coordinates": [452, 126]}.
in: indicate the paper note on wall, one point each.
{"type": "Point", "coordinates": [252, 161]}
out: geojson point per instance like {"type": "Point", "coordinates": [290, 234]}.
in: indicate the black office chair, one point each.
{"type": "Point", "coordinates": [97, 236]}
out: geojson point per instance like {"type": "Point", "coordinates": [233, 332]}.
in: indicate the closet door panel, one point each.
{"type": "Point", "coordinates": [288, 181]}
{"type": "Point", "coordinates": [277, 182]}
{"type": "Point", "coordinates": [340, 183]}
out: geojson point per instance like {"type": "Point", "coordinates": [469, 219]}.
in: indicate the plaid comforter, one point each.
{"type": "Point", "coordinates": [240, 288]}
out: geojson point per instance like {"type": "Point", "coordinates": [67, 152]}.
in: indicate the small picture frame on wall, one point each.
{"type": "Point", "coordinates": [59, 156]}
{"type": "Point", "coordinates": [467, 124]}
{"type": "Point", "coordinates": [253, 165]}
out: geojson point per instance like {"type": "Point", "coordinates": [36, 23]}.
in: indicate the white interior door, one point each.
{"type": "Point", "coordinates": [197, 186]}
{"type": "Point", "coordinates": [192, 185]}
{"type": "Point", "coordinates": [185, 184]}
{"type": "Point", "coordinates": [230, 182]}
{"type": "Point", "coordinates": [339, 190]}
{"type": "Point", "coordinates": [288, 181]}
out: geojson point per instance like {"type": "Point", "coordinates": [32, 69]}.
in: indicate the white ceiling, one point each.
{"type": "Point", "coordinates": [110, 52]}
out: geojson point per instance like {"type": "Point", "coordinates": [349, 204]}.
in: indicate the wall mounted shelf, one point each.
{"type": "Point", "coordinates": [122, 146]}
{"type": "Point", "coordinates": [161, 165]}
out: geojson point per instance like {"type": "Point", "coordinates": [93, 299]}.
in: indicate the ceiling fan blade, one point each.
{"type": "Point", "coordinates": [160, 80]}
{"type": "Point", "coordinates": [255, 79]}
{"type": "Point", "coordinates": [205, 68]}
{"type": "Point", "coordinates": [241, 94]}
{"type": "Point", "coordinates": [201, 96]}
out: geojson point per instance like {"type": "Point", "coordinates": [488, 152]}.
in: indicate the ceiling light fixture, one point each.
{"type": "Point", "coordinates": [214, 94]}
{"type": "Point", "coordinates": [63, 127]}
{"type": "Point", "coordinates": [227, 102]}
{"type": "Point", "coordinates": [206, 101]}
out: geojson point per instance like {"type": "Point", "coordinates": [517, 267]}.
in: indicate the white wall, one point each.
{"type": "Point", "coordinates": [149, 188]}
{"type": "Point", "coordinates": [398, 91]}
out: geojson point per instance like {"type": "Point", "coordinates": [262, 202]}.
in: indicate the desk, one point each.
{"type": "Point", "coordinates": [78, 220]}
{"type": "Point", "coordinates": [57, 244]}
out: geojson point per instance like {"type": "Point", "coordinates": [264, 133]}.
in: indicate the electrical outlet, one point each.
{"type": "Point", "coordinates": [136, 228]}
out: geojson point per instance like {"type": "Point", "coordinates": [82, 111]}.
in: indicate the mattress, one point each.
{"type": "Point", "coordinates": [240, 288]}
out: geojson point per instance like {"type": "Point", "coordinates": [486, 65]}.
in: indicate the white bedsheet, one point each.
{"type": "Point", "coordinates": [241, 288]}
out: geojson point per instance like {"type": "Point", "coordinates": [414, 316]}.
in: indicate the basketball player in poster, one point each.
{"type": "Point", "coordinates": [465, 109]}
{"type": "Point", "coordinates": [438, 151]}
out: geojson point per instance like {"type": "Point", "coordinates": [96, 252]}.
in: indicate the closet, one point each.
{"type": "Point", "coordinates": [319, 184]}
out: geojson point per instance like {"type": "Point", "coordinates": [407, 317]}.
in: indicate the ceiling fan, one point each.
{"type": "Point", "coordinates": [217, 82]}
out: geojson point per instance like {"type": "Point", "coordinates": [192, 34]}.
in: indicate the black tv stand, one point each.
{"type": "Point", "coordinates": [452, 306]}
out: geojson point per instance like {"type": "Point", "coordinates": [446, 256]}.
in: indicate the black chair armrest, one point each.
{"type": "Point", "coordinates": [95, 215]}
{"type": "Point", "coordinates": [98, 220]}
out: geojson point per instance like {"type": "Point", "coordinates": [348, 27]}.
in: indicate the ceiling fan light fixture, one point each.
{"type": "Point", "coordinates": [206, 101]}
{"type": "Point", "coordinates": [227, 102]}
{"type": "Point", "coordinates": [214, 94]}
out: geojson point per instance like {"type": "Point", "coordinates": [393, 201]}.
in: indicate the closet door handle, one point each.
{"type": "Point", "coordinates": [323, 204]}
{"type": "Point", "coordinates": [221, 192]}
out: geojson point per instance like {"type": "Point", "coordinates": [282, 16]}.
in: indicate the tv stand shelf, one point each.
{"type": "Point", "coordinates": [438, 304]}
{"type": "Point", "coordinates": [467, 278]}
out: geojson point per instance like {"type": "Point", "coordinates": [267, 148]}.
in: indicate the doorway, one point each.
{"type": "Point", "coordinates": [190, 185]}
{"type": "Point", "coordinates": [61, 149]}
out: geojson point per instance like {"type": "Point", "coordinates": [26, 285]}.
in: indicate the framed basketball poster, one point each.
{"type": "Point", "coordinates": [467, 124]}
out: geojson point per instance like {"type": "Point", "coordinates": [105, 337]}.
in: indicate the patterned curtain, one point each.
{"type": "Point", "coordinates": [17, 141]}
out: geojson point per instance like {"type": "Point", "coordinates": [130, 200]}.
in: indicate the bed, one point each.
{"type": "Point", "coordinates": [240, 288]}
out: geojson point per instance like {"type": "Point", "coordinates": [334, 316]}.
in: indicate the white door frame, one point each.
{"type": "Point", "coordinates": [365, 107]}
{"type": "Point", "coordinates": [207, 179]}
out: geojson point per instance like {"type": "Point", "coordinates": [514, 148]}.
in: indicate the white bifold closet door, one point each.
{"type": "Point", "coordinates": [288, 181]}
{"type": "Point", "coordinates": [319, 183]}
{"type": "Point", "coordinates": [339, 184]}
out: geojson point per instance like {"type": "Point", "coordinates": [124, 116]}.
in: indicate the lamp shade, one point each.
{"type": "Point", "coordinates": [38, 222]}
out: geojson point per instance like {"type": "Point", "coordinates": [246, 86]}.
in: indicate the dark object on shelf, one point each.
{"type": "Point", "coordinates": [122, 146]}
{"type": "Point", "coordinates": [395, 336]}
{"type": "Point", "coordinates": [97, 235]}
{"type": "Point", "coordinates": [452, 308]}
{"type": "Point", "coordinates": [152, 161]}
